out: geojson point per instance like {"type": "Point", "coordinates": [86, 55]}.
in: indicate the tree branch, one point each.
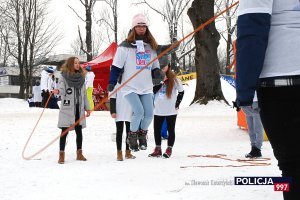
{"type": "Point", "coordinates": [77, 14]}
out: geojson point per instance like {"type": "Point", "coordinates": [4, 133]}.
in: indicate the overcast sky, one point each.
{"type": "Point", "coordinates": [68, 21]}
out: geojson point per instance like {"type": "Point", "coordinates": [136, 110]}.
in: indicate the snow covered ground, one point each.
{"type": "Point", "coordinates": [204, 130]}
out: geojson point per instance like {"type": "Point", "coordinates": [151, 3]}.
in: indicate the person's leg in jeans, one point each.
{"type": "Point", "coordinates": [137, 116]}
{"type": "Point", "coordinates": [147, 102]}
{"type": "Point", "coordinates": [255, 128]}
{"type": "Point", "coordinates": [280, 115]}
{"type": "Point", "coordinates": [137, 109]}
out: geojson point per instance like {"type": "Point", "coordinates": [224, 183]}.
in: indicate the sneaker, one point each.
{"type": "Point", "coordinates": [168, 153]}
{"type": "Point", "coordinates": [132, 141]}
{"type": "Point", "coordinates": [142, 136]}
{"type": "Point", "coordinates": [156, 153]}
{"type": "Point", "coordinates": [254, 153]}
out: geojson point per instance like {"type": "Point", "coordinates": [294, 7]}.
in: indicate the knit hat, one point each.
{"type": "Point", "coordinates": [164, 60]}
{"type": "Point", "coordinates": [50, 69]}
{"type": "Point", "coordinates": [139, 20]}
{"type": "Point", "coordinates": [88, 68]}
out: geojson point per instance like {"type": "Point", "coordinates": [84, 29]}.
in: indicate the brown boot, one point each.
{"type": "Point", "coordinates": [119, 155]}
{"type": "Point", "coordinates": [80, 156]}
{"type": "Point", "coordinates": [61, 159]}
{"type": "Point", "coordinates": [128, 155]}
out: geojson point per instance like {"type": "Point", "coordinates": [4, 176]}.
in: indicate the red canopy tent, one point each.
{"type": "Point", "coordinates": [101, 67]}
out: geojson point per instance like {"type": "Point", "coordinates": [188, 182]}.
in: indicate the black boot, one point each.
{"type": "Point", "coordinates": [132, 141]}
{"type": "Point", "coordinates": [142, 136]}
{"type": "Point", "coordinates": [254, 153]}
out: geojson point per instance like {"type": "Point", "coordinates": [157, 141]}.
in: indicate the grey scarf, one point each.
{"type": "Point", "coordinates": [75, 80]}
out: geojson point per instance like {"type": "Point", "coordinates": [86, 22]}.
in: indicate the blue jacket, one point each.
{"type": "Point", "coordinates": [252, 41]}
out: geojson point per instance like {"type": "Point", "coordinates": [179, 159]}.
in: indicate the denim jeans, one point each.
{"type": "Point", "coordinates": [255, 127]}
{"type": "Point", "coordinates": [142, 108]}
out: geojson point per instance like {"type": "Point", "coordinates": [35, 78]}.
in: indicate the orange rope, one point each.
{"type": "Point", "coordinates": [245, 162]}
{"type": "Point", "coordinates": [122, 85]}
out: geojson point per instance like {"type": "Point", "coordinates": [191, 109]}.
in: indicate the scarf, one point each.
{"type": "Point", "coordinates": [75, 80]}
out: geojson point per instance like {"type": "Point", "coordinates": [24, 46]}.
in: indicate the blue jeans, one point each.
{"type": "Point", "coordinates": [255, 127]}
{"type": "Point", "coordinates": [142, 108]}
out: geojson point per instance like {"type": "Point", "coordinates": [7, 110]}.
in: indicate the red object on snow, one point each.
{"type": "Point", "coordinates": [101, 66]}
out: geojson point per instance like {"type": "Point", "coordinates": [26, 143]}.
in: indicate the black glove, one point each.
{"type": "Point", "coordinates": [236, 106]}
{"type": "Point", "coordinates": [157, 76]}
{"type": "Point", "coordinates": [43, 93]}
{"type": "Point", "coordinates": [179, 99]}
{"type": "Point", "coordinates": [110, 87]}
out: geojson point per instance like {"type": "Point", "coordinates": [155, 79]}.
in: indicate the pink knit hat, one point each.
{"type": "Point", "coordinates": [139, 20]}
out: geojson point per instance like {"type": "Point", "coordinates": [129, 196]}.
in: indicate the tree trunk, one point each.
{"type": "Point", "coordinates": [115, 14]}
{"type": "Point", "coordinates": [206, 59]}
{"type": "Point", "coordinates": [88, 28]}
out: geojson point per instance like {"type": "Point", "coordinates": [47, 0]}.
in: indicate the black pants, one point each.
{"type": "Point", "coordinates": [158, 122]}
{"type": "Point", "coordinates": [45, 98]}
{"type": "Point", "coordinates": [120, 127]}
{"type": "Point", "coordinates": [78, 130]}
{"type": "Point", "coordinates": [38, 104]}
{"type": "Point", "coordinates": [62, 141]}
{"type": "Point", "coordinates": [280, 115]}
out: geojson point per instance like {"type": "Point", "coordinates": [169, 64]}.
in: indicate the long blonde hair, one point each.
{"type": "Point", "coordinates": [170, 82]}
{"type": "Point", "coordinates": [149, 38]}
{"type": "Point", "coordinates": [68, 66]}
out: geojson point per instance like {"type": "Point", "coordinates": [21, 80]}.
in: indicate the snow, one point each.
{"type": "Point", "coordinates": [204, 130]}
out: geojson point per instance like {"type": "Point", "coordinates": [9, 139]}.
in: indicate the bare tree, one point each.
{"type": "Point", "coordinates": [96, 43]}
{"type": "Point", "coordinates": [4, 54]}
{"type": "Point", "coordinates": [109, 19]}
{"type": "Point", "coordinates": [171, 12]}
{"type": "Point", "coordinates": [88, 6]}
{"type": "Point", "coordinates": [186, 49]}
{"type": "Point", "coordinates": [29, 36]}
{"type": "Point", "coordinates": [227, 34]}
{"type": "Point", "coordinates": [206, 60]}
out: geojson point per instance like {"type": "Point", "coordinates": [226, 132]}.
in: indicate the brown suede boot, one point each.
{"type": "Point", "coordinates": [119, 155]}
{"type": "Point", "coordinates": [61, 159]}
{"type": "Point", "coordinates": [128, 155]}
{"type": "Point", "coordinates": [80, 156]}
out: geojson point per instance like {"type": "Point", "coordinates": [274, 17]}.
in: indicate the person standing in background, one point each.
{"type": "Point", "coordinates": [46, 83]}
{"type": "Point", "coordinates": [255, 129]}
{"type": "Point", "coordinates": [89, 83]}
{"type": "Point", "coordinates": [37, 94]}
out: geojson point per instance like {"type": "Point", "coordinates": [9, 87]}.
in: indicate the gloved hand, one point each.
{"type": "Point", "coordinates": [43, 93]}
{"type": "Point", "coordinates": [157, 76]}
{"type": "Point", "coordinates": [110, 87]}
{"type": "Point", "coordinates": [236, 106]}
